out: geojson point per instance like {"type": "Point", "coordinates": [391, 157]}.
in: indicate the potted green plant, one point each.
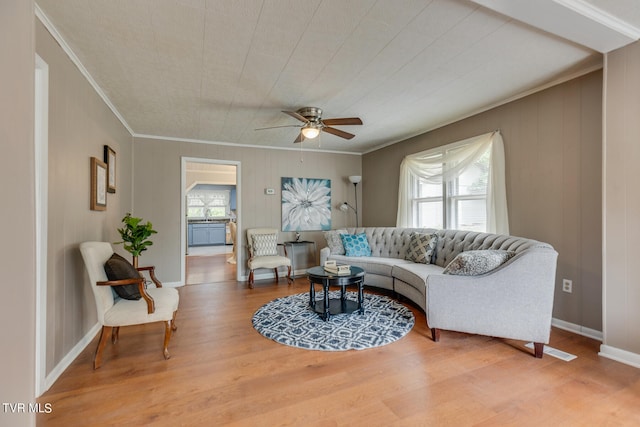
{"type": "Point", "coordinates": [135, 236]}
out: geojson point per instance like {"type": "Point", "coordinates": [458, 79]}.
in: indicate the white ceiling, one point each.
{"type": "Point", "coordinates": [214, 70]}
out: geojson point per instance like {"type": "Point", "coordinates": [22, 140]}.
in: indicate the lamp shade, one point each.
{"type": "Point", "coordinates": [355, 179]}
{"type": "Point", "coordinates": [310, 132]}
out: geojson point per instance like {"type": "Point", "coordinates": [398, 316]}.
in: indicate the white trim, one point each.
{"type": "Point", "coordinates": [71, 356]}
{"type": "Point", "coordinates": [601, 17]}
{"type": "Point", "coordinates": [233, 144]}
{"type": "Point", "coordinates": [65, 47]}
{"type": "Point", "coordinates": [41, 153]}
{"type": "Point", "coordinates": [622, 356]}
{"type": "Point", "coordinates": [603, 191]}
{"type": "Point", "coordinates": [577, 329]}
{"type": "Point", "coordinates": [183, 213]}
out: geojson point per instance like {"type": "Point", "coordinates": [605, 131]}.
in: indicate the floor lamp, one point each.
{"type": "Point", "coordinates": [355, 180]}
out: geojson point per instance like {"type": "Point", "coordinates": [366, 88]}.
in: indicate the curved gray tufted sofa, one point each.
{"type": "Point", "coordinates": [513, 301]}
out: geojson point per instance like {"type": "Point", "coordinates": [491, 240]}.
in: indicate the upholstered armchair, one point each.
{"type": "Point", "coordinates": [156, 304]}
{"type": "Point", "coordinates": [262, 244]}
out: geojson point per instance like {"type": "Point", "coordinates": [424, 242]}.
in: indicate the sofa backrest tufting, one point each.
{"type": "Point", "coordinates": [392, 242]}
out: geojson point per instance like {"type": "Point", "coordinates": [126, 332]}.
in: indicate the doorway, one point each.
{"type": "Point", "coordinates": [210, 220]}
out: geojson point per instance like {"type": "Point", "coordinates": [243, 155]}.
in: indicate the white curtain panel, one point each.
{"type": "Point", "coordinates": [457, 157]}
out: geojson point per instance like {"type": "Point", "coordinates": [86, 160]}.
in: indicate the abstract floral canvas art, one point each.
{"type": "Point", "coordinates": [306, 204]}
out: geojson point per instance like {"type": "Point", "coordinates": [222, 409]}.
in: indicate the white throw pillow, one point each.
{"type": "Point", "coordinates": [264, 244]}
{"type": "Point", "coordinates": [334, 242]}
{"type": "Point", "coordinates": [474, 263]}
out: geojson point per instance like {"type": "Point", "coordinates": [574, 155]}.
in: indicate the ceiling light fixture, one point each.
{"type": "Point", "coordinates": [310, 131]}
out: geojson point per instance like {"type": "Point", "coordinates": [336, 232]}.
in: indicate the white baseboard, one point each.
{"type": "Point", "coordinates": [622, 356]}
{"type": "Point", "coordinates": [70, 357]}
{"type": "Point", "coordinates": [577, 329]}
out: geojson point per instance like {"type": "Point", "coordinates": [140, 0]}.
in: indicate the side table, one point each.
{"type": "Point", "coordinates": [293, 244]}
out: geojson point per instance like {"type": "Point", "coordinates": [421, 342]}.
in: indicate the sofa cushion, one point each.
{"type": "Point", "coordinates": [118, 268]}
{"type": "Point", "coordinates": [415, 274]}
{"type": "Point", "coordinates": [473, 263]}
{"type": "Point", "coordinates": [372, 265]}
{"type": "Point", "coordinates": [334, 242]}
{"type": "Point", "coordinates": [355, 244]}
{"type": "Point", "coordinates": [421, 247]}
{"type": "Point", "coordinates": [264, 244]}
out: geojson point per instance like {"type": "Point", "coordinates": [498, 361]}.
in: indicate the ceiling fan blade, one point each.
{"type": "Point", "coordinates": [346, 121]}
{"type": "Point", "coordinates": [295, 115]}
{"type": "Point", "coordinates": [338, 132]}
{"type": "Point", "coordinates": [300, 138]}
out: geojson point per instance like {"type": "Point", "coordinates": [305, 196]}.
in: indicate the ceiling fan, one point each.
{"type": "Point", "coordinates": [311, 117]}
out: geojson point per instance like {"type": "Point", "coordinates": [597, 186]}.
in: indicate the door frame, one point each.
{"type": "Point", "coordinates": [41, 151]}
{"type": "Point", "coordinates": [183, 210]}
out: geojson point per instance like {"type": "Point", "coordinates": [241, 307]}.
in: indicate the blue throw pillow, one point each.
{"type": "Point", "coordinates": [356, 244]}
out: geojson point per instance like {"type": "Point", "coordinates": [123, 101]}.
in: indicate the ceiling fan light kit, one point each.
{"type": "Point", "coordinates": [314, 124]}
{"type": "Point", "coordinates": [310, 131]}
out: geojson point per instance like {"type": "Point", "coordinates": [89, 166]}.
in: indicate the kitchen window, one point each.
{"type": "Point", "coordinates": [208, 204]}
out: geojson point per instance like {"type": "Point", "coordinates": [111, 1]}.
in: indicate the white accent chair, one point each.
{"type": "Point", "coordinates": [257, 258]}
{"type": "Point", "coordinates": [156, 305]}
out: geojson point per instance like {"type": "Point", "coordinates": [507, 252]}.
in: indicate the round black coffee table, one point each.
{"type": "Point", "coordinates": [329, 306]}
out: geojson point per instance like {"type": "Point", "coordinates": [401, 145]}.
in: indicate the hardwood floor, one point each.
{"type": "Point", "coordinates": [209, 269]}
{"type": "Point", "coordinates": [222, 372]}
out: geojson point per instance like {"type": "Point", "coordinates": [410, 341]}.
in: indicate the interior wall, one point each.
{"type": "Point", "coordinates": [622, 200]}
{"type": "Point", "coordinates": [553, 151]}
{"type": "Point", "coordinates": [157, 191]}
{"type": "Point", "coordinates": [80, 124]}
{"type": "Point", "coordinates": [17, 210]}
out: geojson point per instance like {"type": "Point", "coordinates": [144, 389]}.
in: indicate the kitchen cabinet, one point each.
{"type": "Point", "coordinates": [207, 234]}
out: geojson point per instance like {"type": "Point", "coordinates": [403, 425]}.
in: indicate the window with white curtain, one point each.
{"type": "Point", "coordinates": [208, 203]}
{"type": "Point", "coordinates": [456, 186]}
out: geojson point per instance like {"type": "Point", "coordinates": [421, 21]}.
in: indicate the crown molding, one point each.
{"type": "Point", "coordinates": [76, 61]}
{"type": "Point", "coordinates": [238, 145]}
{"type": "Point", "coordinates": [600, 16]}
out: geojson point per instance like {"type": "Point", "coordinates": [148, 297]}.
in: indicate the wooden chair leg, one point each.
{"type": "Point", "coordinates": [104, 334]}
{"type": "Point", "coordinates": [538, 349]}
{"type": "Point", "coordinates": [174, 327]}
{"type": "Point", "coordinates": [251, 279]}
{"type": "Point", "coordinates": [115, 334]}
{"type": "Point", "coordinates": [435, 334]}
{"type": "Point", "coordinates": [276, 271]}
{"type": "Point", "coordinates": [289, 279]}
{"type": "Point", "coordinates": [167, 337]}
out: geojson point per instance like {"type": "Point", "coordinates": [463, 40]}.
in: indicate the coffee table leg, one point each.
{"type": "Point", "coordinates": [325, 286]}
{"type": "Point", "coordinates": [312, 295]}
{"type": "Point", "coordinates": [361, 296]}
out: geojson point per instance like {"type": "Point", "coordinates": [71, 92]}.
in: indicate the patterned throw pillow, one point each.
{"type": "Point", "coordinates": [264, 244]}
{"type": "Point", "coordinates": [421, 247]}
{"type": "Point", "coordinates": [356, 244]}
{"type": "Point", "coordinates": [473, 263]}
{"type": "Point", "coordinates": [334, 242]}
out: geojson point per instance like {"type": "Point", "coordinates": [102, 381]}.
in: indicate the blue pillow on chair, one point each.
{"type": "Point", "coordinates": [356, 244]}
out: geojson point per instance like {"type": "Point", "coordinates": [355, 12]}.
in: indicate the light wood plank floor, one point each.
{"type": "Point", "coordinates": [209, 269]}
{"type": "Point", "coordinates": [222, 372]}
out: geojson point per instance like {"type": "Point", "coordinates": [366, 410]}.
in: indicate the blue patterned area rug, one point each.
{"type": "Point", "coordinates": [290, 321]}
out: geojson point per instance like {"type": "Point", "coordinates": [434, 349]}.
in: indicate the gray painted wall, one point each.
{"type": "Point", "coordinates": [553, 156]}
{"type": "Point", "coordinates": [157, 191]}
{"type": "Point", "coordinates": [622, 200]}
{"type": "Point", "coordinates": [17, 210]}
{"type": "Point", "coordinates": [80, 124]}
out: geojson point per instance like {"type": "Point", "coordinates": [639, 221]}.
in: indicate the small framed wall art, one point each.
{"type": "Point", "coordinates": [98, 185]}
{"type": "Point", "coordinates": [110, 160]}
